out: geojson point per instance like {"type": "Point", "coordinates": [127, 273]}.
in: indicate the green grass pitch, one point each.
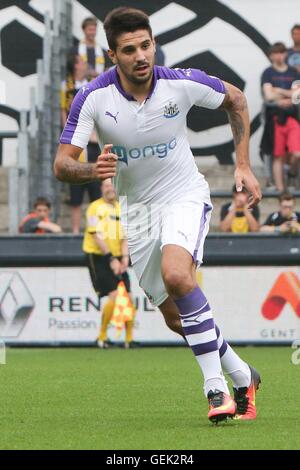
{"type": "Point", "coordinates": [137, 399]}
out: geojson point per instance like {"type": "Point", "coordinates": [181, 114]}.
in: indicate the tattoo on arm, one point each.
{"type": "Point", "coordinates": [76, 173]}
{"type": "Point", "coordinates": [236, 109]}
{"type": "Point", "coordinates": [237, 126]}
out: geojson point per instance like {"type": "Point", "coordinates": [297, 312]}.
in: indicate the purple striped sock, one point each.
{"type": "Point", "coordinates": [197, 322]}
{"type": "Point", "coordinates": [222, 344]}
{"type": "Point", "coordinates": [200, 332]}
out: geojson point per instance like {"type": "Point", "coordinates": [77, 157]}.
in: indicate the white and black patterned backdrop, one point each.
{"type": "Point", "coordinates": [226, 38]}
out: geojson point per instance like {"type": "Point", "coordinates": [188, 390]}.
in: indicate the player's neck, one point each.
{"type": "Point", "coordinates": [139, 92]}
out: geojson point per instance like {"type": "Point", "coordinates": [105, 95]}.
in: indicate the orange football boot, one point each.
{"type": "Point", "coordinates": [221, 406]}
{"type": "Point", "coordinates": [245, 398]}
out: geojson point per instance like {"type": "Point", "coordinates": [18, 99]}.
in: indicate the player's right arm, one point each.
{"type": "Point", "coordinates": [67, 168]}
{"type": "Point", "coordinates": [75, 138]}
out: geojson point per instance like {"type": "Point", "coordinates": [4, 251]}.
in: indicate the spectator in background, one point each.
{"type": "Point", "coordinates": [293, 58]}
{"type": "Point", "coordinates": [160, 57]}
{"type": "Point", "coordinates": [235, 215]}
{"type": "Point", "coordinates": [282, 124]}
{"type": "Point", "coordinates": [38, 221]}
{"type": "Point", "coordinates": [90, 52]}
{"type": "Point", "coordinates": [107, 253]}
{"type": "Point", "coordinates": [286, 220]}
{"type": "Point", "coordinates": [76, 78]}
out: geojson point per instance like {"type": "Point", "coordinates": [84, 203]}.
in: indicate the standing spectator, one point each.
{"type": "Point", "coordinates": [236, 217]}
{"type": "Point", "coordinates": [160, 57]}
{"type": "Point", "coordinates": [293, 58]}
{"type": "Point", "coordinates": [107, 254]}
{"type": "Point", "coordinates": [38, 220]}
{"type": "Point", "coordinates": [76, 78]}
{"type": "Point", "coordinates": [89, 51]}
{"type": "Point", "coordinates": [286, 220]}
{"type": "Point", "coordinates": [281, 114]}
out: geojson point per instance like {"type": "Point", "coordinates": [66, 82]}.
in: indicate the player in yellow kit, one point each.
{"type": "Point", "coordinates": [107, 252]}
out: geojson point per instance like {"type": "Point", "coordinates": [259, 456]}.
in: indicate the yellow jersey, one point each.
{"type": "Point", "coordinates": [104, 220]}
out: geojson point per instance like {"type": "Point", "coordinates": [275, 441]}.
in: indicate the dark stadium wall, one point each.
{"type": "Point", "coordinates": [228, 39]}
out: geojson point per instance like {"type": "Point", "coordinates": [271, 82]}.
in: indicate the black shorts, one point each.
{"type": "Point", "coordinates": [94, 191]}
{"type": "Point", "coordinates": [103, 279]}
{"type": "Point", "coordinates": [77, 192]}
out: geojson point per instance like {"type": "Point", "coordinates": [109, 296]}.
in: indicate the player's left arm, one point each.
{"type": "Point", "coordinates": [235, 105]}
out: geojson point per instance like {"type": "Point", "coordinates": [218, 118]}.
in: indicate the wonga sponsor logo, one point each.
{"type": "Point", "coordinates": [16, 304]}
{"type": "Point", "coordinates": [285, 290]}
{"type": "Point", "coordinates": [158, 150]}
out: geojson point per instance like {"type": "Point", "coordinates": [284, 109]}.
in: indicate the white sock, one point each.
{"type": "Point", "coordinates": [234, 366]}
{"type": "Point", "coordinates": [214, 377]}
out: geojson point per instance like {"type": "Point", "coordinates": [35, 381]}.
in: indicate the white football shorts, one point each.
{"type": "Point", "coordinates": [184, 223]}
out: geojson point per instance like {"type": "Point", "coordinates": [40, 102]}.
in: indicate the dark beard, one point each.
{"type": "Point", "coordinates": [138, 81]}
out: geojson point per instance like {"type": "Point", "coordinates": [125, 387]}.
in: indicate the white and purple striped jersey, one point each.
{"type": "Point", "coordinates": [155, 163]}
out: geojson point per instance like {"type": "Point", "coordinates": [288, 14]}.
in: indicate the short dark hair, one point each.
{"type": "Point", "coordinates": [91, 21]}
{"type": "Point", "coordinates": [124, 20]}
{"type": "Point", "coordinates": [42, 201]}
{"type": "Point", "coordinates": [296, 26]}
{"type": "Point", "coordinates": [286, 197]}
{"type": "Point", "coordinates": [277, 47]}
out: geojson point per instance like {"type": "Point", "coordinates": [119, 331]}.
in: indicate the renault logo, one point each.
{"type": "Point", "coordinates": [16, 304]}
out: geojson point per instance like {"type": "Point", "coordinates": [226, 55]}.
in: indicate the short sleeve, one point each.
{"type": "Point", "coordinates": [204, 90]}
{"type": "Point", "coordinates": [266, 77]}
{"type": "Point", "coordinates": [31, 225]}
{"type": "Point", "coordinates": [80, 123]}
{"type": "Point", "coordinates": [92, 219]}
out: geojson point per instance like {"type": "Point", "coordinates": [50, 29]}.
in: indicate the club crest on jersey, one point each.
{"type": "Point", "coordinates": [171, 110]}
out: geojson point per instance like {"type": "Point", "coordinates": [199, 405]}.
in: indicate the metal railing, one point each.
{"type": "Point", "coordinates": [38, 138]}
{"type": "Point", "coordinates": [3, 136]}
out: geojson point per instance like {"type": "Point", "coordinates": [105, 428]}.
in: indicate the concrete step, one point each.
{"type": "Point", "coordinates": [4, 218]}
{"type": "Point", "coordinates": [3, 185]}
{"type": "Point", "coordinates": [221, 177]}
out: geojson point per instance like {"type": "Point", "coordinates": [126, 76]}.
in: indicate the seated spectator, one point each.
{"type": "Point", "coordinates": [282, 129]}
{"type": "Point", "coordinates": [38, 221]}
{"type": "Point", "coordinates": [236, 217]}
{"type": "Point", "coordinates": [286, 220]}
{"type": "Point", "coordinates": [293, 58]}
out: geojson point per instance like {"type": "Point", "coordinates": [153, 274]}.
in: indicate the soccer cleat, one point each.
{"type": "Point", "coordinates": [245, 398]}
{"type": "Point", "coordinates": [221, 406]}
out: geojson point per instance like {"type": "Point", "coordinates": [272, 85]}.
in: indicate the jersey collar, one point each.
{"type": "Point", "coordinates": [117, 83]}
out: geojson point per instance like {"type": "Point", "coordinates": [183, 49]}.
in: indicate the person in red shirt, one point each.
{"type": "Point", "coordinates": [38, 221]}
{"type": "Point", "coordinates": [279, 83]}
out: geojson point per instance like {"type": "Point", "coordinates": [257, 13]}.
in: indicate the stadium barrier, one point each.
{"type": "Point", "coordinates": [46, 298]}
